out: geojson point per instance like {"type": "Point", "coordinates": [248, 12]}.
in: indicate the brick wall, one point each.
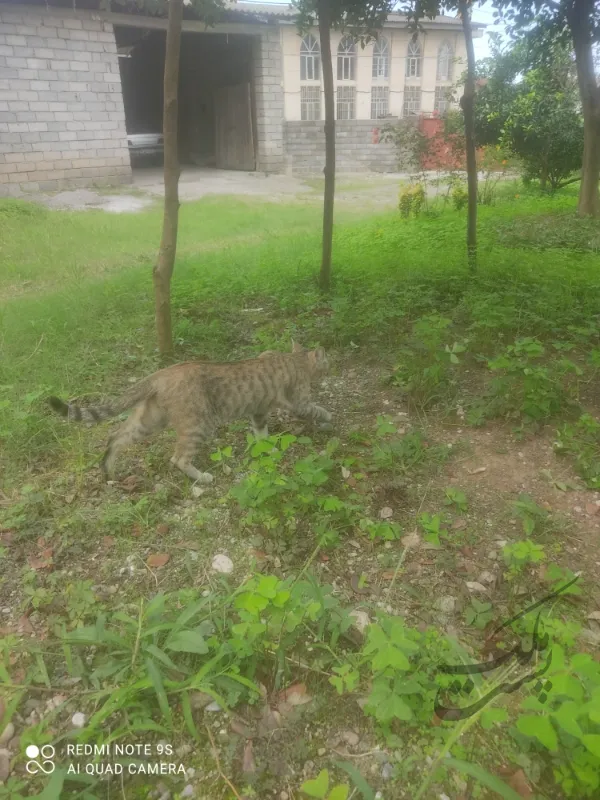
{"type": "Point", "coordinates": [268, 98]}
{"type": "Point", "coordinates": [355, 150]}
{"type": "Point", "coordinates": [62, 122]}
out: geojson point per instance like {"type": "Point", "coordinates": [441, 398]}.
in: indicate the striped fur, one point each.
{"type": "Point", "coordinates": [197, 397]}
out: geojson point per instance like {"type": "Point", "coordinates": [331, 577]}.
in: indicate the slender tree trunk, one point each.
{"type": "Point", "coordinates": [168, 244]}
{"type": "Point", "coordinates": [580, 22]}
{"type": "Point", "coordinates": [329, 191]}
{"type": "Point", "coordinates": [467, 103]}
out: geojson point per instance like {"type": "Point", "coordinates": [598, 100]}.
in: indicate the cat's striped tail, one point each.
{"type": "Point", "coordinates": [140, 391]}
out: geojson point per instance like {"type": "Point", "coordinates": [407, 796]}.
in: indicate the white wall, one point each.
{"type": "Point", "coordinates": [398, 41]}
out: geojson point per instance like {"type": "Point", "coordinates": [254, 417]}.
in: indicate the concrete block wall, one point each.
{"type": "Point", "coordinates": [354, 148]}
{"type": "Point", "coordinates": [62, 121]}
{"type": "Point", "coordinates": [268, 99]}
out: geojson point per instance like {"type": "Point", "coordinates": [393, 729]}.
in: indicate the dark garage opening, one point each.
{"type": "Point", "coordinates": [216, 117]}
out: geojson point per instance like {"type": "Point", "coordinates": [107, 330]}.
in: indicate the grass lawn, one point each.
{"type": "Point", "coordinates": [460, 485]}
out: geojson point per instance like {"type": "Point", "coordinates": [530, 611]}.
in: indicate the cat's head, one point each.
{"type": "Point", "coordinates": [317, 359]}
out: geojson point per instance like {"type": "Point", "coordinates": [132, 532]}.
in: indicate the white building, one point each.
{"type": "Point", "coordinates": [76, 81]}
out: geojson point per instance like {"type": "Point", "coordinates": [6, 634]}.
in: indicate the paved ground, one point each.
{"type": "Point", "coordinates": [372, 190]}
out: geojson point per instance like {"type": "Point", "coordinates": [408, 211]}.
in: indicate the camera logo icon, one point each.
{"type": "Point", "coordinates": [41, 759]}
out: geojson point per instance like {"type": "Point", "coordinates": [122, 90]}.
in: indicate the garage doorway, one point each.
{"type": "Point", "coordinates": [216, 106]}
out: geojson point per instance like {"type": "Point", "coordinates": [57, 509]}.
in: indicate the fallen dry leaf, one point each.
{"type": "Point", "coordinates": [595, 615]}
{"type": "Point", "coordinates": [345, 473]}
{"type": "Point", "coordinates": [108, 541]}
{"type": "Point", "coordinates": [388, 574]}
{"type": "Point", "coordinates": [411, 540]}
{"type": "Point", "coordinates": [386, 513]}
{"type": "Point", "coordinates": [324, 558]}
{"type": "Point", "coordinates": [259, 555]}
{"type": "Point", "coordinates": [270, 720]}
{"type": "Point", "coordinates": [240, 727]}
{"type": "Point", "coordinates": [355, 581]}
{"type": "Point", "coordinates": [157, 559]}
{"type": "Point", "coordinates": [459, 524]}
{"type": "Point", "coordinates": [294, 695]}
{"type": "Point", "coordinates": [248, 765]}
{"type": "Point", "coordinates": [24, 625]}
{"type": "Point", "coordinates": [518, 781]}
{"type": "Point", "coordinates": [131, 483]}
{"type": "Point", "coordinates": [592, 508]}
{"type": "Point", "coordinates": [7, 535]}
{"type": "Point", "coordinates": [477, 471]}
{"type": "Point", "coordinates": [187, 545]}
{"type": "Point", "coordinates": [136, 529]}
{"type": "Point", "coordinates": [40, 562]}
{"type": "Point", "coordinates": [162, 529]}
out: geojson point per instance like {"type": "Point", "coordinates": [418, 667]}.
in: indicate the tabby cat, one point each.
{"type": "Point", "coordinates": [197, 397]}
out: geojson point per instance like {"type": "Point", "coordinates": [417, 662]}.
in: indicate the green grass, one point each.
{"type": "Point", "coordinates": [519, 340]}
{"type": "Point", "coordinates": [44, 249]}
{"type": "Point", "coordinates": [86, 326]}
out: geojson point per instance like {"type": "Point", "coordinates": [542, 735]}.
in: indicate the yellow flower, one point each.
{"type": "Point", "coordinates": [503, 162]}
{"type": "Point", "coordinates": [517, 196]}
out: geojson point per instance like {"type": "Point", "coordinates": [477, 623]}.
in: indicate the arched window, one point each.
{"type": "Point", "coordinates": [413, 60]}
{"type": "Point", "coordinates": [444, 62]}
{"type": "Point", "coordinates": [381, 59]}
{"type": "Point", "coordinates": [310, 59]}
{"type": "Point", "coordinates": [346, 59]}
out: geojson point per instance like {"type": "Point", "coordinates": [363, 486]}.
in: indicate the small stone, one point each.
{"type": "Point", "coordinates": [474, 586]}
{"type": "Point", "coordinates": [387, 771]}
{"type": "Point", "coordinates": [447, 604]}
{"type": "Point", "coordinates": [492, 555]}
{"type": "Point", "coordinates": [284, 796]}
{"type": "Point", "coordinates": [188, 791]}
{"type": "Point", "coordinates": [7, 734]}
{"type": "Point", "coordinates": [361, 619]}
{"type": "Point", "coordinates": [78, 720]}
{"type": "Point", "coordinates": [184, 750]}
{"type": "Point", "coordinates": [223, 564]}
{"type": "Point", "coordinates": [321, 751]}
{"type": "Point", "coordinates": [486, 577]}
{"type": "Point", "coordinates": [350, 737]}
{"type": "Point", "coordinates": [4, 765]}
{"type": "Point", "coordinates": [214, 706]}
{"type": "Point", "coordinates": [199, 700]}
{"type": "Point", "coordinates": [197, 491]}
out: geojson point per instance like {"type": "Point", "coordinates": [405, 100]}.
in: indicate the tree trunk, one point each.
{"type": "Point", "coordinates": [168, 244]}
{"type": "Point", "coordinates": [467, 103]}
{"type": "Point", "coordinates": [329, 191]}
{"type": "Point", "coordinates": [581, 23]}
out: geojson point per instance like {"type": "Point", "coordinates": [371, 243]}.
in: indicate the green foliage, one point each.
{"type": "Point", "coordinates": [525, 388]}
{"type": "Point", "coordinates": [529, 104]}
{"type": "Point", "coordinates": [412, 199]}
{"type": "Point", "coordinates": [518, 555]}
{"type": "Point", "coordinates": [454, 497]}
{"type": "Point", "coordinates": [581, 441]}
{"type": "Point", "coordinates": [460, 196]}
{"type": "Point", "coordinates": [433, 526]}
{"type": "Point", "coordinates": [427, 363]}
{"type": "Point", "coordinates": [319, 787]}
{"type": "Point", "coordinates": [479, 614]}
{"type": "Point", "coordinates": [564, 725]}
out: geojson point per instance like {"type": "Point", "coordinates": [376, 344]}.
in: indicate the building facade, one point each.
{"type": "Point", "coordinates": [76, 84]}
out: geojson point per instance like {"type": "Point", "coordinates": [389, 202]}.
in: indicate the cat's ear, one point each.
{"type": "Point", "coordinates": [318, 359]}
{"type": "Point", "coordinates": [297, 348]}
